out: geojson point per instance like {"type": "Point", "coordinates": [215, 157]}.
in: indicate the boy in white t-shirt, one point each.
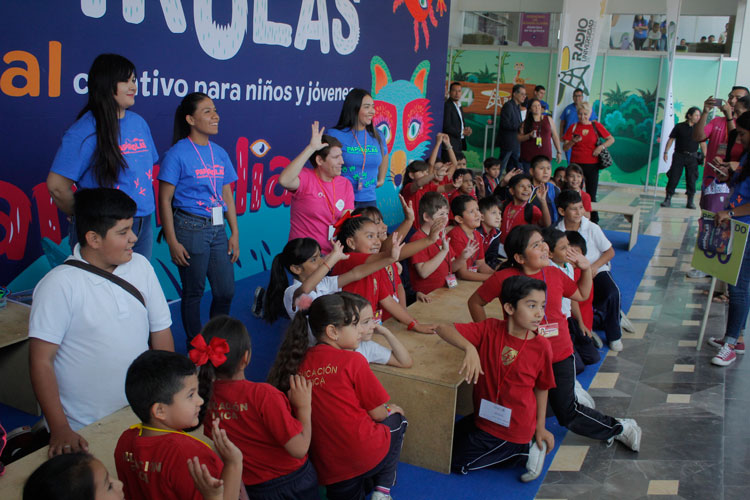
{"type": "Point", "coordinates": [85, 329]}
{"type": "Point", "coordinates": [599, 253]}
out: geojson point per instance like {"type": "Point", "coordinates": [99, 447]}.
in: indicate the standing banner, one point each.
{"type": "Point", "coordinates": [580, 28]}
{"type": "Point", "coordinates": [719, 250]}
{"type": "Point", "coordinates": [667, 124]}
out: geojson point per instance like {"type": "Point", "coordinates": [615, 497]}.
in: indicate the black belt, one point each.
{"type": "Point", "coordinates": [188, 214]}
{"type": "Point", "coordinates": [694, 153]}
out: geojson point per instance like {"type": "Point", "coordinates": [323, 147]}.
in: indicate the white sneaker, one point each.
{"type": "Point", "coordinates": [597, 340]}
{"type": "Point", "coordinates": [616, 345]}
{"type": "Point", "coordinates": [695, 273]}
{"type": "Point", "coordinates": [625, 323]}
{"type": "Point", "coordinates": [535, 463]}
{"type": "Point", "coordinates": [379, 495]}
{"type": "Point", "coordinates": [582, 396]}
{"type": "Point", "coordinates": [630, 435]}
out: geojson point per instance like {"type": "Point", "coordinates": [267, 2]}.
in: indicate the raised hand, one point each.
{"type": "Point", "coordinates": [438, 226]}
{"type": "Point", "coordinates": [470, 250]}
{"type": "Point", "coordinates": [507, 177]}
{"type": "Point", "coordinates": [300, 392]}
{"type": "Point", "coordinates": [408, 208]}
{"type": "Point", "coordinates": [398, 245]}
{"type": "Point", "coordinates": [316, 137]}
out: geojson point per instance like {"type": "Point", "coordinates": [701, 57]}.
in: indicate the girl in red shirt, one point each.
{"type": "Point", "coordinates": [356, 434]}
{"type": "Point", "coordinates": [528, 255]}
{"type": "Point", "coordinates": [273, 435]}
{"type": "Point", "coordinates": [574, 181]}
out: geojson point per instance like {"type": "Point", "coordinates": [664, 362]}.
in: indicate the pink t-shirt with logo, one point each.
{"type": "Point", "coordinates": [316, 205]}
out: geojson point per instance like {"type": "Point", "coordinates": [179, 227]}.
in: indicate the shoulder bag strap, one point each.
{"type": "Point", "coordinates": [124, 284]}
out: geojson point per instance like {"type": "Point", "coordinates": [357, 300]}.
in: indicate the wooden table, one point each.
{"type": "Point", "coordinates": [14, 359]}
{"type": "Point", "coordinates": [102, 437]}
{"type": "Point", "coordinates": [633, 212]}
{"type": "Point", "coordinates": [431, 392]}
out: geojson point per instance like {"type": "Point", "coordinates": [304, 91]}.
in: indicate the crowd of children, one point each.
{"type": "Point", "coordinates": [323, 418]}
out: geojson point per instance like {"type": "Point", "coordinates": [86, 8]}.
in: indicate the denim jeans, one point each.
{"type": "Point", "coordinates": [739, 302]}
{"type": "Point", "coordinates": [142, 229]}
{"type": "Point", "coordinates": [207, 246]}
{"type": "Point", "coordinates": [510, 159]}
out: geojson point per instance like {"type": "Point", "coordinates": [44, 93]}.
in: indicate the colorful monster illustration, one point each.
{"type": "Point", "coordinates": [517, 79]}
{"type": "Point", "coordinates": [420, 10]}
{"type": "Point", "coordinates": [404, 120]}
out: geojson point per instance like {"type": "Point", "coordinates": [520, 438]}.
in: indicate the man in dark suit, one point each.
{"type": "Point", "coordinates": [508, 126]}
{"type": "Point", "coordinates": [453, 121]}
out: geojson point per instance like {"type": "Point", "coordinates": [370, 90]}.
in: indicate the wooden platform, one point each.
{"type": "Point", "coordinates": [633, 212]}
{"type": "Point", "coordinates": [432, 391]}
{"type": "Point", "coordinates": [14, 359]}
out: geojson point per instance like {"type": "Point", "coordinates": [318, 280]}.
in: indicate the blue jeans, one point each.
{"type": "Point", "coordinates": [509, 160]}
{"type": "Point", "coordinates": [207, 246]}
{"type": "Point", "coordinates": [142, 229]}
{"type": "Point", "coordinates": [739, 302]}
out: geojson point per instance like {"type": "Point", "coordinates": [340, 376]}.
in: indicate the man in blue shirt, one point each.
{"type": "Point", "coordinates": [507, 131]}
{"type": "Point", "coordinates": [539, 93]}
{"type": "Point", "coordinates": [569, 115]}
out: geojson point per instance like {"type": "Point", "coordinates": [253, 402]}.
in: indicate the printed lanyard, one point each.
{"type": "Point", "coordinates": [364, 151]}
{"type": "Point", "coordinates": [492, 183]}
{"type": "Point", "coordinates": [500, 375]}
{"type": "Point", "coordinates": [330, 205]}
{"type": "Point", "coordinates": [212, 177]}
{"type": "Point", "coordinates": [140, 428]}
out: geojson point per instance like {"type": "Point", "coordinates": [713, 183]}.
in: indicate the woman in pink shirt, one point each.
{"type": "Point", "coordinates": [320, 195]}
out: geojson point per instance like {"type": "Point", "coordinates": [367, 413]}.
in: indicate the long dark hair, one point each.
{"type": "Point", "coordinates": [349, 228]}
{"type": "Point", "coordinates": [349, 117]}
{"type": "Point", "coordinates": [234, 332]}
{"type": "Point", "coordinates": [187, 107]}
{"type": "Point", "coordinates": [64, 477]}
{"type": "Point", "coordinates": [413, 167]}
{"type": "Point", "coordinates": [295, 253]}
{"type": "Point", "coordinates": [528, 123]}
{"type": "Point", "coordinates": [516, 243]}
{"type": "Point", "coordinates": [105, 73]}
{"type": "Point", "coordinates": [337, 309]}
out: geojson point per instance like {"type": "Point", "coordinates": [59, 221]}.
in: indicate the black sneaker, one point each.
{"type": "Point", "coordinates": [257, 308]}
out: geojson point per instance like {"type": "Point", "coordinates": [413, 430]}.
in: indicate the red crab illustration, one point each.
{"type": "Point", "coordinates": [419, 10]}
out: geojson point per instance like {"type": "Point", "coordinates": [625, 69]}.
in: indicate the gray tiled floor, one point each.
{"type": "Point", "coordinates": [698, 443]}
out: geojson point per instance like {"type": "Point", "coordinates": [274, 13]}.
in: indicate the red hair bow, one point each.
{"type": "Point", "coordinates": [348, 215]}
{"type": "Point", "coordinates": [215, 351]}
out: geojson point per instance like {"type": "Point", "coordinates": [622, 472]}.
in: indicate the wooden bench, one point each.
{"type": "Point", "coordinates": [14, 359]}
{"type": "Point", "coordinates": [633, 212]}
{"type": "Point", "coordinates": [432, 391]}
{"type": "Point", "coordinates": [102, 437]}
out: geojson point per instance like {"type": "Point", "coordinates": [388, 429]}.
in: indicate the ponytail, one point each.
{"type": "Point", "coordinates": [238, 339]}
{"type": "Point", "coordinates": [296, 252]}
{"type": "Point", "coordinates": [338, 309]}
{"type": "Point", "coordinates": [187, 107]}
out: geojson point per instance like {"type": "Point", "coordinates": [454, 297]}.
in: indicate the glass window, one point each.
{"type": "Point", "coordinates": [515, 29]}
{"type": "Point", "coordinates": [638, 32]}
{"type": "Point", "coordinates": [706, 34]}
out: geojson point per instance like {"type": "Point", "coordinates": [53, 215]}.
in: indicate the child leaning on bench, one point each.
{"type": "Point", "coordinates": [511, 365]}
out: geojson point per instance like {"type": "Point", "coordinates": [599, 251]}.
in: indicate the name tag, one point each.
{"type": "Point", "coordinates": [474, 269]}
{"type": "Point", "coordinates": [395, 297]}
{"type": "Point", "coordinates": [451, 281]}
{"type": "Point", "coordinates": [378, 317]}
{"type": "Point", "coordinates": [340, 205]}
{"type": "Point", "coordinates": [548, 330]}
{"type": "Point", "coordinates": [331, 230]}
{"type": "Point", "coordinates": [217, 216]}
{"type": "Point", "coordinates": [494, 412]}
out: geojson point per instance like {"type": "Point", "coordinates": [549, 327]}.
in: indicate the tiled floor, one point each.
{"type": "Point", "coordinates": [692, 413]}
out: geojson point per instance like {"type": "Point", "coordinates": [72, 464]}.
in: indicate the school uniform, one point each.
{"type": "Point", "coordinates": [156, 466]}
{"type": "Point", "coordinates": [372, 287]}
{"type": "Point", "coordinates": [99, 328]}
{"type": "Point", "coordinates": [576, 417]}
{"type": "Point", "coordinates": [552, 192]}
{"type": "Point", "coordinates": [258, 420]}
{"type": "Point", "coordinates": [437, 278]}
{"type": "Point", "coordinates": [348, 446]}
{"type": "Point", "coordinates": [513, 368]}
{"type": "Point", "coordinates": [606, 294]}
{"type": "Point", "coordinates": [416, 197]}
{"type": "Point", "coordinates": [515, 215]}
{"type": "Point", "coordinates": [458, 242]}
{"type": "Point", "coordinates": [392, 283]}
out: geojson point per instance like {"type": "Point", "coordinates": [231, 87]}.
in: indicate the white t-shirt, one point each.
{"type": "Point", "coordinates": [327, 286]}
{"type": "Point", "coordinates": [567, 269]}
{"type": "Point", "coordinates": [374, 352]}
{"type": "Point", "coordinates": [596, 242]}
{"type": "Point", "coordinates": [100, 329]}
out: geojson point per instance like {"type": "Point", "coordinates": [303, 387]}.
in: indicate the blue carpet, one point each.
{"type": "Point", "coordinates": [415, 482]}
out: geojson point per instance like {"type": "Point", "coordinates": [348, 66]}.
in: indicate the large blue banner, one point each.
{"type": "Point", "coordinates": [271, 67]}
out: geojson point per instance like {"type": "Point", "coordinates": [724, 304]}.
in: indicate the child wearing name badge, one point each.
{"type": "Point", "coordinates": [466, 237]}
{"type": "Point", "coordinates": [518, 211]}
{"type": "Point", "coordinates": [528, 255]}
{"type": "Point", "coordinates": [195, 197]}
{"type": "Point", "coordinates": [152, 457]}
{"type": "Point", "coordinates": [511, 365]}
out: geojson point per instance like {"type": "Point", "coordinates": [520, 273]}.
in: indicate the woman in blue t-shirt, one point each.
{"type": "Point", "coordinates": [195, 197]}
{"type": "Point", "coordinates": [108, 146]}
{"type": "Point", "coordinates": [365, 159]}
{"type": "Point", "coordinates": [738, 208]}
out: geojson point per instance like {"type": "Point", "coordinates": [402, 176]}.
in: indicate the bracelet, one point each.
{"type": "Point", "coordinates": [326, 264]}
{"type": "Point", "coordinates": [412, 325]}
{"type": "Point", "coordinates": [388, 409]}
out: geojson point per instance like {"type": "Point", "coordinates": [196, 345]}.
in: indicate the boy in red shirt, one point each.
{"type": "Point", "coordinates": [511, 366]}
{"type": "Point", "coordinates": [489, 207]}
{"type": "Point", "coordinates": [465, 237]}
{"type": "Point", "coordinates": [518, 211]}
{"type": "Point", "coordinates": [152, 457]}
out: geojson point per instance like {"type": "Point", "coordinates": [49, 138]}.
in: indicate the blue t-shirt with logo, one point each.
{"type": "Point", "coordinates": [198, 180]}
{"type": "Point", "coordinates": [362, 157]}
{"type": "Point", "coordinates": [73, 158]}
{"type": "Point", "coordinates": [570, 115]}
